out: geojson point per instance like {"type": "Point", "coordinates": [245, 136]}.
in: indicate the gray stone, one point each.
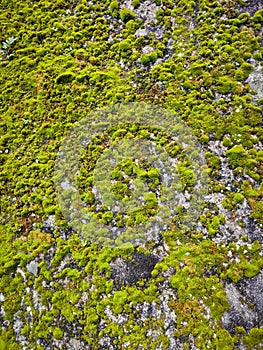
{"type": "Point", "coordinates": [125, 272]}
{"type": "Point", "coordinates": [251, 6]}
{"type": "Point", "coordinates": [242, 313]}
{"type": "Point", "coordinates": [75, 344]}
{"type": "Point", "coordinates": [255, 80]}
{"type": "Point", "coordinates": [50, 222]}
{"type": "Point", "coordinates": [252, 288]}
{"type": "Point", "coordinates": [147, 49]}
{"type": "Point", "coordinates": [32, 267]}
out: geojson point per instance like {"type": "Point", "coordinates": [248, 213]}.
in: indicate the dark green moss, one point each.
{"type": "Point", "coordinates": [126, 14]}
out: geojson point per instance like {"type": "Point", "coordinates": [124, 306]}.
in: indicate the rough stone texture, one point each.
{"type": "Point", "coordinates": [146, 11]}
{"type": "Point", "coordinates": [240, 313]}
{"type": "Point", "coordinates": [255, 80]}
{"type": "Point", "coordinates": [147, 49]}
{"type": "Point", "coordinates": [246, 303]}
{"type": "Point", "coordinates": [252, 288]}
{"type": "Point", "coordinates": [18, 325]}
{"type": "Point", "coordinates": [126, 272]}
{"type": "Point", "coordinates": [32, 267]}
{"type": "Point", "coordinates": [75, 344]}
{"type": "Point", "coordinates": [251, 6]}
{"type": "Point", "coordinates": [157, 30]}
{"type": "Point", "coordinates": [49, 223]}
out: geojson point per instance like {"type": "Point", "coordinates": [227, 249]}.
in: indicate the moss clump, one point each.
{"type": "Point", "coordinates": [151, 200]}
{"type": "Point", "coordinates": [65, 78]}
{"type": "Point", "coordinates": [114, 8]}
{"type": "Point", "coordinates": [136, 3]}
{"type": "Point", "coordinates": [254, 339]}
{"type": "Point", "coordinates": [145, 59]}
{"type": "Point", "coordinates": [244, 17]}
{"type": "Point", "coordinates": [107, 217]}
{"type": "Point", "coordinates": [126, 15]}
{"type": "Point", "coordinates": [124, 45]}
{"type": "Point", "coordinates": [227, 142]}
{"type": "Point", "coordinates": [149, 58]}
{"type": "Point", "coordinates": [243, 72]}
{"type": "Point", "coordinates": [88, 197]}
{"type": "Point", "coordinates": [237, 155]}
{"type": "Point", "coordinates": [57, 333]}
{"type": "Point", "coordinates": [132, 26]}
{"type": "Point", "coordinates": [225, 85]}
{"type": "Point", "coordinates": [258, 16]}
{"type": "Point", "coordinates": [251, 270]}
{"type": "Point", "coordinates": [238, 198]}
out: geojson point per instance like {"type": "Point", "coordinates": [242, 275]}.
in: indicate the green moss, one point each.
{"type": "Point", "coordinates": [244, 17]}
{"type": "Point", "coordinates": [124, 45]}
{"type": "Point", "coordinates": [159, 16]}
{"type": "Point", "coordinates": [149, 57]}
{"type": "Point", "coordinates": [258, 16]}
{"type": "Point", "coordinates": [238, 198]}
{"type": "Point", "coordinates": [227, 142]}
{"type": "Point", "coordinates": [107, 217]}
{"type": "Point", "coordinates": [89, 197]}
{"type": "Point", "coordinates": [257, 56]}
{"type": "Point", "coordinates": [154, 174]}
{"type": "Point", "coordinates": [61, 67]}
{"type": "Point", "coordinates": [65, 78]}
{"type": "Point", "coordinates": [136, 3]}
{"type": "Point", "coordinates": [243, 72]}
{"type": "Point", "coordinates": [119, 300]}
{"type": "Point", "coordinates": [225, 85]}
{"type": "Point", "coordinates": [7, 340]}
{"type": "Point", "coordinates": [151, 200]}
{"type": "Point", "coordinates": [187, 175]}
{"type": "Point", "coordinates": [114, 7]}
{"type": "Point", "coordinates": [251, 270]}
{"type": "Point", "coordinates": [237, 155]}
{"type": "Point", "coordinates": [57, 333]}
{"type": "Point", "coordinates": [254, 338]}
{"type": "Point", "coordinates": [126, 15]}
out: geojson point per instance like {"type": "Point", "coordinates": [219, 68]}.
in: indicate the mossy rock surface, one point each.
{"type": "Point", "coordinates": [59, 62]}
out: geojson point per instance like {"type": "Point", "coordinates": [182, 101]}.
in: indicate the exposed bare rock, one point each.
{"type": "Point", "coordinates": [126, 272]}
{"type": "Point", "coordinates": [252, 288]}
{"type": "Point", "coordinates": [255, 80]}
{"type": "Point", "coordinates": [246, 304]}
{"type": "Point", "coordinates": [32, 267]}
{"type": "Point", "coordinates": [251, 6]}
